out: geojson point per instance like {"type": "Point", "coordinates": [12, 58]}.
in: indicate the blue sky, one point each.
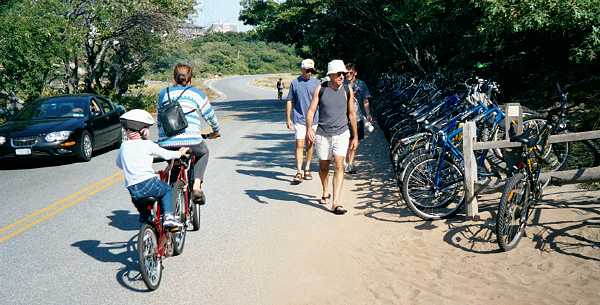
{"type": "Point", "coordinates": [213, 11]}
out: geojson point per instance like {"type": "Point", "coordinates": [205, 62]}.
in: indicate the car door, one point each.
{"type": "Point", "coordinates": [114, 120]}
{"type": "Point", "coordinates": [100, 124]}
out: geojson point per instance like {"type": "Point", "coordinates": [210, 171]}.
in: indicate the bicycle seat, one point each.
{"type": "Point", "coordinates": [145, 201]}
{"type": "Point", "coordinates": [524, 138]}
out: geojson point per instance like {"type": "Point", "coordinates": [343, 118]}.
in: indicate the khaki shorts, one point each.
{"type": "Point", "coordinates": [301, 131]}
{"type": "Point", "coordinates": [327, 147]}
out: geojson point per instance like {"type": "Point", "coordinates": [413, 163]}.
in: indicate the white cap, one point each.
{"type": "Point", "coordinates": [335, 66]}
{"type": "Point", "coordinates": [307, 64]}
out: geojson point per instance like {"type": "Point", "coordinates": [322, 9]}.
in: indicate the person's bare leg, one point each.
{"type": "Point", "coordinates": [197, 186]}
{"type": "Point", "coordinates": [324, 175]}
{"type": "Point", "coordinates": [309, 155]}
{"type": "Point", "coordinates": [299, 155]}
{"type": "Point", "coordinates": [350, 156]}
{"type": "Point", "coordinates": [338, 179]}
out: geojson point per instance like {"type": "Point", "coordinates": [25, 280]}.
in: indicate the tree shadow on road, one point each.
{"type": "Point", "coordinates": [124, 253]}
{"type": "Point", "coordinates": [277, 153]}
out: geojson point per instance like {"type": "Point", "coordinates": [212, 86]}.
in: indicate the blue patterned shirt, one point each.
{"type": "Point", "coordinates": [197, 107]}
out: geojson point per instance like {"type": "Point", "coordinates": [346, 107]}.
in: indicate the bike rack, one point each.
{"type": "Point", "coordinates": [514, 113]}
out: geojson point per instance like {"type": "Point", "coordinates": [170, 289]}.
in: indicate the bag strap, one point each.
{"type": "Point", "coordinates": [177, 99]}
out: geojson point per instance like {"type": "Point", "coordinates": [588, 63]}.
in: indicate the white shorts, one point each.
{"type": "Point", "coordinates": [327, 147]}
{"type": "Point", "coordinates": [301, 131]}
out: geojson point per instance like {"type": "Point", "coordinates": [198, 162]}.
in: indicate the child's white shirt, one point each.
{"type": "Point", "coordinates": [135, 159]}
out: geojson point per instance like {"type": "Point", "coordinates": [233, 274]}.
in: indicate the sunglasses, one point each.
{"type": "Point", "coordinates": [341, 74]}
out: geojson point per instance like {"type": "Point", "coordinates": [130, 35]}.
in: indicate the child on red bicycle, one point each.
{"type": "Point", "coordinates": [135, 158]}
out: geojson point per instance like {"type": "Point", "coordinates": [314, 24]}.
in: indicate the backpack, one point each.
{"type": "Point", "coordinates": [171, 116]}
{"type": "Point", "coordinates": [325, 84]}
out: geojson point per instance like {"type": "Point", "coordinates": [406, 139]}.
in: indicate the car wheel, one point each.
{"type": "Point", "coordinates": [86, 147]}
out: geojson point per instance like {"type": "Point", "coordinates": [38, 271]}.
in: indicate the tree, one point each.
{"type": "Point", "coordinates": [52, 41]}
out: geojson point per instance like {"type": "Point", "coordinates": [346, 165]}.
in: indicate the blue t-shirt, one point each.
{"type": "Point", "coordinates": [361, 92]}
{"type": "Point", "coordinates": [301, 94]}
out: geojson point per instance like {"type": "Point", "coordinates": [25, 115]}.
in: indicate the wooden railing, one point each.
{"type": "Point", "coordinates": [514, 114]}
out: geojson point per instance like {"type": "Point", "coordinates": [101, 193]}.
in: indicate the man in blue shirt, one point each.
{"type": "Point", "coordinates": [299, 97]}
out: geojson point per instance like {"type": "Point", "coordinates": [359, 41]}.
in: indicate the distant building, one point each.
{"type": "Point", "coordinates": [222, 27]}
{"type": "Point", "coordinates": [191, 31]}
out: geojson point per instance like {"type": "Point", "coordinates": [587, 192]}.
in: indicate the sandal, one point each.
{"type": "Point", "coordinates": [324, 199]}
{"type": "Point", "coordinates": [297, 178]}
{"type": "Point", "coordinates": [307, 175]}
{"type": "Point", "coordinates": [339, 210]}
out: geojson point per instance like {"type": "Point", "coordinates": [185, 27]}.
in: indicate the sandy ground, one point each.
{"type": "Point", "coordinates": [378, 253]}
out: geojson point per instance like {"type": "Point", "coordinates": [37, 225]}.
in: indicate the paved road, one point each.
{"type": "Point", "coordinates": [68, 230]}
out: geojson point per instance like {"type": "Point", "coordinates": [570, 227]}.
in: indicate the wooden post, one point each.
{"type": "Point", "coordinates": [514, 119]}
{"type": "Point", "coordinates": [469, 138]}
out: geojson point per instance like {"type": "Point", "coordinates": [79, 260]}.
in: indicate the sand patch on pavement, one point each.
{"type": "Point", "coordinates": [379, 253]}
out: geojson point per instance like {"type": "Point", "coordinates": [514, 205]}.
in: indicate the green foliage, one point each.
{"type": "Point", "coordinates": [227, 54]}
{"type": "Point", "coordinates": [45, 46]}
{"type": "Point", "coordinates": [525, 45]}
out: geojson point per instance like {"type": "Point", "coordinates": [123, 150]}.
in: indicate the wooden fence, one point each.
{"type": "Point", "coordinates": [514, 113]}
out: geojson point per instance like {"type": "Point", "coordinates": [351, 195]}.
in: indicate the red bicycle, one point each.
{"type": "Point", "coordinates": [155, 242]}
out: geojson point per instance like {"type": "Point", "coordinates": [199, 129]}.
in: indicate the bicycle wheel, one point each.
{"type": "Point", "coordinates": [179, 212]}
{"type": "Point", "coordinates": [149, 260]}
{"type": "Point", "coordinates": [195, 213]}
{"type": "Point", "coordinates": [513, 212]}
{"type": "Point", "coordinates": [426, 198]}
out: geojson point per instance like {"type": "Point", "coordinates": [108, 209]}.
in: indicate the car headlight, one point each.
{"type": "Point", "coordinates": [2, 140]}
{"type": "Point", "coordinates": [58, 136]}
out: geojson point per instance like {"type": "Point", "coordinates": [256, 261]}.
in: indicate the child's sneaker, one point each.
{"type": "Point", "coordinates": [170, 222]}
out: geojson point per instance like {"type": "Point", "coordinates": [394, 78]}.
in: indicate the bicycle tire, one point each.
{"type": "Point", "coordinates": [178, 194]}
{"type": "Point", "coordinates": [508, 229]}
{"type": "Point", "coordinates": [149, 261]}
{"type": "Point", "coordinates": [424, 166]}
{"type": "Point", "coordinates": [195, 213]}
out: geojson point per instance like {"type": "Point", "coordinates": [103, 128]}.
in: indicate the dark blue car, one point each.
{"type": "Point", "coordinates": [62, 125]}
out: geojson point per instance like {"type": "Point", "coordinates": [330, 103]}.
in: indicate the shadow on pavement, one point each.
{"type": "Point", "coordinates": [265, 196]}
{"type": "Point", "coordinates": [124, 253]}
{"type": "Point", "coordinates": [252, 110]}
{"type": "Point", "coordinates": [265, 174]}
{"type": "Point", "coordinates": [124, 220]}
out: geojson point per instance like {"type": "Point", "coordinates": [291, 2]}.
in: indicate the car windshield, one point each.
{"type": "Point", "coordinates": [53, 108]}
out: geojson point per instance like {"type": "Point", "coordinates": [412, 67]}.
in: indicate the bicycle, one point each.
{"type": "Point", "coordinates": [156, 242]}
{"type": "Point", "coordinates": [524, 188]}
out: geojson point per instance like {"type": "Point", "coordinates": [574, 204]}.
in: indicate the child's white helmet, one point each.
{"type": "Point", "coordinates": [137, 119]}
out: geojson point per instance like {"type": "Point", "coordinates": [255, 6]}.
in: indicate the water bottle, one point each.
{"type": "Point", "coordinates": [369, 126]}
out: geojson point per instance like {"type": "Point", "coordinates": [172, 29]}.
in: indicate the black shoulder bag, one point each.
{"type": "Point", "coordinates": [171, 116]}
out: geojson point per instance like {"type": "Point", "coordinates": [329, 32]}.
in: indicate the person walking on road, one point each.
{"type": "Point", "coordinates": [279, 89]}
{"type": "Point", "coordinates": [361, 97]}
{"type": "Point", "coordinates": [335, 102]}
{"type": "Point", "coordinates": [299, 98]}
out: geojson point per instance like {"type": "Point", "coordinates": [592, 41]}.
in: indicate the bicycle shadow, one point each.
{"type": "Point", "coordinates": [576, 238]}
{"type": "Point", "coordinates": [124, 253]}
{"type": "Point", "coordinates": [124, 220]}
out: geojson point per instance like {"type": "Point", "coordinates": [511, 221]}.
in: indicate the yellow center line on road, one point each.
{"type": "Point", "coordinates": [55, 208]}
